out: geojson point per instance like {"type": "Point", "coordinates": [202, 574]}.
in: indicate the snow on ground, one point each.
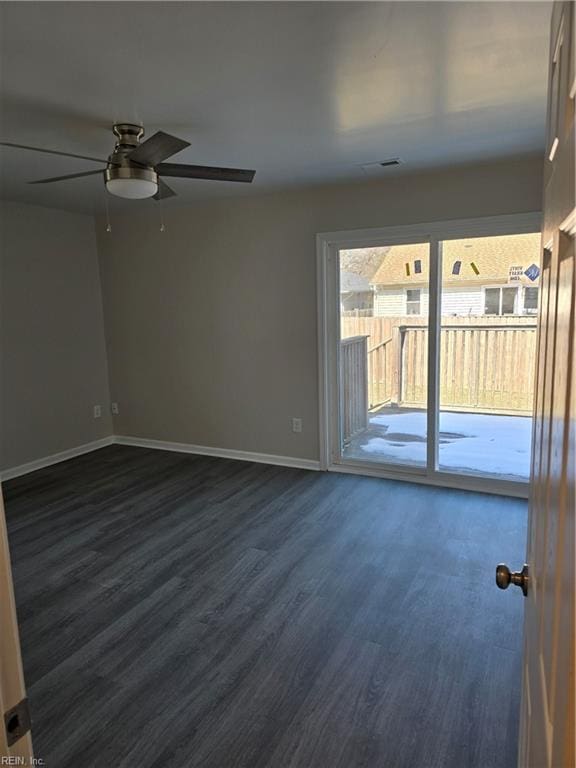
{"type": "Point", "coordinates": [474, 442]}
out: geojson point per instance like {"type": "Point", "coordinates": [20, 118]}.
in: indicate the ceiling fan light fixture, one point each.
{"type": "Point", "coordinates": [131, 183]}
{"type": "Point", "coordinates": [132, 189]}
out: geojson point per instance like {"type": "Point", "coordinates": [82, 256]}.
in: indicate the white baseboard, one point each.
{"type": "Point", "coordinates": [222, 453]}
{"type": "Point", "coordinates": [55, 458]}
{"type": "Point", "coordinates": [159, 445]}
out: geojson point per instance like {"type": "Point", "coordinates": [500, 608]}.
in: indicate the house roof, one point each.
{"type": "Point", "coordinates": [362, 261]}
{"type": "Point", "coordinates": [351, 283]}
{"type": "Point", "coordinates": [493, 257]}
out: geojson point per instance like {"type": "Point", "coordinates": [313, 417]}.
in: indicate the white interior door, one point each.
{"type": "Point", "coordinates": [547, 714]}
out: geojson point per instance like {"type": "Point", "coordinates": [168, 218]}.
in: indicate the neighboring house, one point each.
{"type": "Point", "coordinates": [356, 293]}
{"type": "Point", "coordinates": [480, 276]}
{"type": "Point", "coordinates": [357, 268]}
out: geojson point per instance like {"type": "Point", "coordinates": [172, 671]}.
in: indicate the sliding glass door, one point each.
{"type": "Point", "coordinates": [489, 303]}
{"type": "Point", "coordinates": [384, 353]}
{"type": "Point", "coordinates": [432, 348]}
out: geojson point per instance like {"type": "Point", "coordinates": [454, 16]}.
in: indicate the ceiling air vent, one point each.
{"type": "Point", "coordinates": [374, 169]}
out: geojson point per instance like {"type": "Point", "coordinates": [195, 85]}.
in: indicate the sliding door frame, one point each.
{"type": "Point", "coordinates": [328, 246]}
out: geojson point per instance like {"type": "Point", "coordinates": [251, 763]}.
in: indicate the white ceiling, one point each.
{"type": "Point", "coordinates": [302, 92]}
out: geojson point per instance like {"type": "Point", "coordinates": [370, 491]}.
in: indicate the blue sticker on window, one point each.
{"type": "Point", "coordinates": [456, 267]}
{"type": "Point", "coordinates": [417, 267]}
{"type": "Point", "coordinates": [532, 272]}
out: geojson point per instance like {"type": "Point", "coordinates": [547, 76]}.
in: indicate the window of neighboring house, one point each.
{"type": "Point", "coordinates": [500, 301]}
{"type": "Point", "coordinates": [530, 300]}
{"type": "Point", "coordinates": [492, 301]}
{"type": "Point", "coordinates": [508, 301]}
{"type": "Point", "coordinates": [413, 301]}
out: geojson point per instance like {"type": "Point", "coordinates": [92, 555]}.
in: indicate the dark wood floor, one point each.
{"type": "Point", "coordinates": [187, 611]}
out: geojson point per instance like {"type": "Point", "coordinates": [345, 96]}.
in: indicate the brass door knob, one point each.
{"type": "Point", "coordinates": [505, 577]}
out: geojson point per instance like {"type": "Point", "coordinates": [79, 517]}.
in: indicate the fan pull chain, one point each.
{"type": "Point", "coordinates": [108, 225]}
{"type": "Point", "coordinates": [162, 227]}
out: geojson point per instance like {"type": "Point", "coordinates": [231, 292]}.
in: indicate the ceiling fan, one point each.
{"type": "Point", "coordinates": [134, 170]}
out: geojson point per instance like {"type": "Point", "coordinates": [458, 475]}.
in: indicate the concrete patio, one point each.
{"type": "Point", "coordinates": [469, 443]}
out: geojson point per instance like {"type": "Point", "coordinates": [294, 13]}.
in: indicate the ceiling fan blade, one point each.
{"type": "Point", "coordinates": [205, 172]}
{"type": "Point", "coordinates": [52, 152]}
{"type": "Point", "coordinates": [157, 148]}
{"type": "Point", "coordinates": [68, 176]}
{"type": "Point", "coordinates": [163, 191]}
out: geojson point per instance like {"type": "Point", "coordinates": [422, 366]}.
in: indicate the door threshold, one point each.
{"type": "Point", "coordinates": [493, 486]}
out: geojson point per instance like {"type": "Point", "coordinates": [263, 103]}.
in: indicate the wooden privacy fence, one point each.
{"type": "Point", "coordinates": [353, 385]}
{"type": "Point", "coordinates": [486, 364]}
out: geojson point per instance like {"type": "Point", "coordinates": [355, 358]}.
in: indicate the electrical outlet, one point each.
{"type": "Point", "coordinates": [115, 409]}
{"type": "Point", "coordinates": [97, 411]}
{"type": "Point", "coordinates": [296, 425]}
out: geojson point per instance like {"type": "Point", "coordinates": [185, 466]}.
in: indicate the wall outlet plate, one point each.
{"type": "Point", "coordinates": [97, 411]}
{"type": "Point", "coordinates": [296, 424]}
{"type": "Point", "coordinates": [114, 408]}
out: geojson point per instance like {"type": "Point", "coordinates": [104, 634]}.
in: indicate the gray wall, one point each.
{"type": "Point", "coordinates": [211, 325]}
{"type": "Point", "coordinates": [53, 355]}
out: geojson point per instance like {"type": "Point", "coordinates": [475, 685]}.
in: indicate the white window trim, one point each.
{"type": "Point", "coordinates": [419, 313]}
{"type": "Point", "coordinates": [327, 245]}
